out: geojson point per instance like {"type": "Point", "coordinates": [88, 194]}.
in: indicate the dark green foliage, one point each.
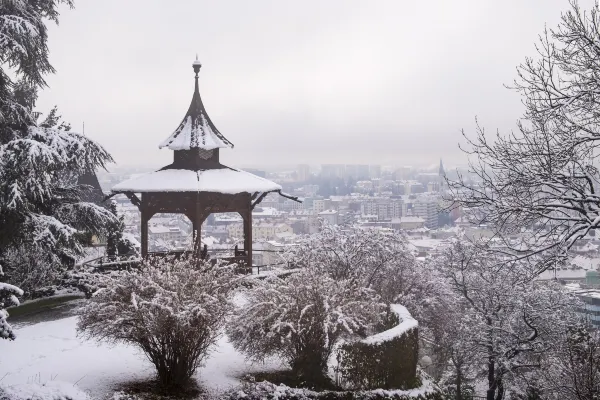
{"type": "Point", "coordinates": [41, 204]}
{"type": "Point", "coordinates": [114, 235]}
{"type": "Point", "coordinates": [388, 365]}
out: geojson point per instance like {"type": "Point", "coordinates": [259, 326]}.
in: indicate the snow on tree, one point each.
{"type": "Point", "coordinates": [378, 260]}
{"type": "Point", "coordinates": [301, 317]}
{"type": "Point", "coordinates": [508, 321]}
{"type": "Point", "coordinates": [571, 371]}
{"type": "Point", "coordinates": [41, 203]}
{"type": "Point", "coordinates": [8, 297]}
{"type": "Point", "coordinates": [172, 310]}
{"type": "Point", "coordinates": [114, 235]}
{"type": "Point", "coordinates": [544, 176]}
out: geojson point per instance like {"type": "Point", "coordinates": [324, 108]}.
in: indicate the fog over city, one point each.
{"type": "Point", "coordinates": [388, 82]}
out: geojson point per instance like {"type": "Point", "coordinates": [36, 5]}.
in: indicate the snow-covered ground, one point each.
{"type": "Point", "coordinates": [51, 350]}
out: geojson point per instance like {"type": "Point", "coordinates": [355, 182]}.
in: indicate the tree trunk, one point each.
{"type": "Point", "coordinates": [459, 395]}
{"type": "Point", "coordinates": [491, 379]}
{"type": "Point", "coordinates": [500, 393]}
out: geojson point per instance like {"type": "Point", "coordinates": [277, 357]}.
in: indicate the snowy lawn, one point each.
{"type": "Point", "coordinates": [48, 351]}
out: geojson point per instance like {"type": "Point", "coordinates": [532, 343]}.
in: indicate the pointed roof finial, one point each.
{"type": "Point", "coordinates": [196, 130]}
{"type": "Point", "coordinates": [196, 64]}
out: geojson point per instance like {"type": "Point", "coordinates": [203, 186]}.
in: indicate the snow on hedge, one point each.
{"type": "Point", "coordinates": [407, 323]}
{"type": "Point", "coordinates": [268, 390]}
{"type": "Point", "coordinates": [51, 390]}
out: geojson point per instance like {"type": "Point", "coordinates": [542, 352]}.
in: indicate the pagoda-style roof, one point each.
{"type": "Point", "coordinates": [93, 192]}
{"type": "Point", "coordinates": [224, 180]}
{"type": "Point", "coordinates": [196, 130]}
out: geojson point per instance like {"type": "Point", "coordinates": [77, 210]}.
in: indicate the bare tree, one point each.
{"type": "Point", "coordinates": [572, 370]}
{"type": "Point", "coordinates": [507, 322]}
{"type": "Point", "coordinates": [544, 176]}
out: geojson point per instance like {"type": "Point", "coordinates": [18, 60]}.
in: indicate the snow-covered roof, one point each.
{"type": "Point", "coordinates": [410, 220]}
{"type": "Point", "coordinates": [328, 212]}
{"type": "Point", "coordinates": [224, 180]}
{"type": "Point", "coordinates": [196, 130]}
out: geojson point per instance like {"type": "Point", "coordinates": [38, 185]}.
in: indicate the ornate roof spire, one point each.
{"type": "Point", "coordinates": [196, 130]}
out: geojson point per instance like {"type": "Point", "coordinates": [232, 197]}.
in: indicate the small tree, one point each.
{"type": "Point", "coordinates": [301, 317]}
{"type": "Point", "coordinates": [172, 310]}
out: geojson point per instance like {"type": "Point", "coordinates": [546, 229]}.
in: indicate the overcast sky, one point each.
{"type": "Point", "coordinates": [311, 81]}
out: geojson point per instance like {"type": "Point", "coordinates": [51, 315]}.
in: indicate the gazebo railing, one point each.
{"type": "Point", "coordinates": [106, 263]}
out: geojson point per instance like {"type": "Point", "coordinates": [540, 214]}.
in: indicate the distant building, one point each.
{"type": "Point", "coordinates": [408, 223]}
{"type": "Point", "coordinates": [303, 173]}
{"type": "Point", "coordinates": [591, 303]}
{"type": "Point", "coordinates": [333, 171]}
{"type": "Point", "coordinates": [330, 216]}
{"type": "Point", "coordinates": [166, 233]}
{"type": "Point", "coordinates": [318, 205]}
{"type": "Point", "coordinates": [260, 230]}
{"type": "Point", "coordinates": [375, 171]}
{"type": "Point", "coordinates": [427, 208]}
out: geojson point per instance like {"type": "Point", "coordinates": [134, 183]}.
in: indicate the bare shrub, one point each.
{"type": "Point", "coordinates": [301, 317]}
{"type": "Point", "coordinates": [173, 310]}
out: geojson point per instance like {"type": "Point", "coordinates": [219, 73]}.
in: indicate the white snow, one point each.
{"type": "Point", "coordinates": [408, 323]}
{"type": "Point", "coordinates": [224, 180]}
{"type": "Point", "coordinates": [52, 350]}
{"type": "Point", "coordinates": [194, 135]}
{"type": "Point", "coordinates": [49, 390]}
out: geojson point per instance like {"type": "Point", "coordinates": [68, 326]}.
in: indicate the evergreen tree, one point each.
{"type": "Point", "coordinates": [114, 235]}
{"type": "Point", "coordinates": [40, 158]}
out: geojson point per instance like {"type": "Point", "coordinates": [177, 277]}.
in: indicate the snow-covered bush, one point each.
{"type": "Point", "coordinates": [8, 297]}
{"type": "Point", "coordinates": [301, 317]}
{"type": "Point", "coordinates": [378, 260]}
{"type": "Point", "coordinates": [173, 310]}
{"type": "Point", "coordinates": [387, 360]}
{"type": "Point", "coordinates": [51, 390]}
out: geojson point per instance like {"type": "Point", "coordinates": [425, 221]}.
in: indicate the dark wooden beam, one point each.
{"type": "Point", "coordinates": [260, 198]}
{"type": "Point", "coordinates": [288, 196]}
{"type": "Point", "coordinates": [133, 199]}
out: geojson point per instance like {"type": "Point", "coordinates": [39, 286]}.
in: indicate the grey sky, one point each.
{"type": "Point", "coordinates": [312, 81]}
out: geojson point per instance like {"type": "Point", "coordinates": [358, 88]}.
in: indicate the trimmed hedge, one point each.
{"type": "Point", "coordinates": [268, 390]}
{"type": "Point", "coordinates": [390, 363]}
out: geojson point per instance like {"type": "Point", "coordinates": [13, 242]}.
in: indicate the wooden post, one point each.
{"type": "Point", "coordinates": [198, 219]}
{"type": "Point", "coordinates": [144, 232]}
{"type": "Point", "coordinates": [248, 238]}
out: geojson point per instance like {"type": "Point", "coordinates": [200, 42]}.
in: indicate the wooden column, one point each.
{"type": "Point", "coordinates": [197, 222]}
{"type": "Point", "coordinates": [144, 232]}
{"type": "Point", "coordinates": [248, 238]}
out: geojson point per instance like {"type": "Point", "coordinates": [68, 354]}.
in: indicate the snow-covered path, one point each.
{"type": "Point", "coordinates": [51, 351]}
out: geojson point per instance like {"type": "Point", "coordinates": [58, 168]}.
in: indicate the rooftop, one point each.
{"type": "Point", "coordinates": [224, 180]}
{"type": "Point", "coordinates": [196, 130]}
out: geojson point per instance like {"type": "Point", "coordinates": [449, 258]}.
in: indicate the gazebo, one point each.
{"type": "Point", "coordinates": [196, 184]}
